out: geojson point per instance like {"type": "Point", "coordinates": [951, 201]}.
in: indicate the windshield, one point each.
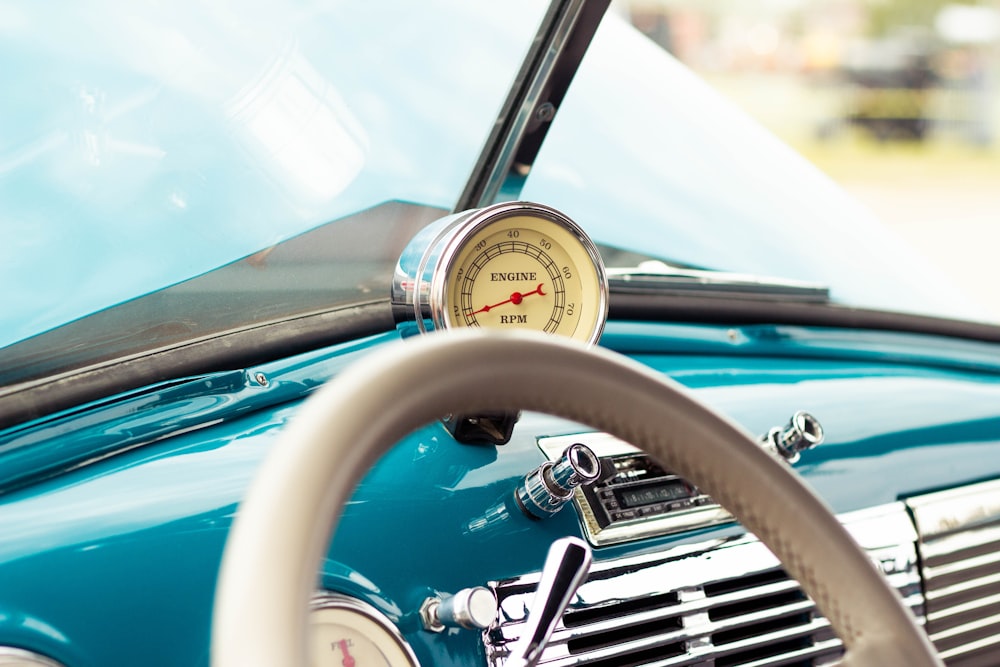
{"type": "Point", "coordinates": [145, 143]}
{"type": "Point", "coordinates": [153, 145]}
{"type": "Point", "coordinates": [671, 170]}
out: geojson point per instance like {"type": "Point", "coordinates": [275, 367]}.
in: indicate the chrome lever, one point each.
{"type": "Point", "coordinates": [566, 566]}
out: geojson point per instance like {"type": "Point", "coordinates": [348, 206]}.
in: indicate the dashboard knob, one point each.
{"type": "Point", "coordinates": [803, 431]}
{"type": "Point", "coordinates": [470, 608]}
{"type": "Point", "coordinates": [546, 489]}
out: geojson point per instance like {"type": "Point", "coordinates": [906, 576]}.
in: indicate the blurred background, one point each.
{"type": "Point", "coordinates": [898, 100]}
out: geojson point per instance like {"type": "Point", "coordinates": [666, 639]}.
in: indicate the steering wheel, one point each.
{"type": "Point", "coordinates": [283, 527]}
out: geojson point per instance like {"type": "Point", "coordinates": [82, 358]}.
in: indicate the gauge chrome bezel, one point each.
{"type": "Point", "coordinates": [327, 601]}
{"type": "Point", "coordinates": [422, 289]}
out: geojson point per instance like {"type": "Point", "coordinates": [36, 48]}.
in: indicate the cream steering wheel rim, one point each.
{"type": "Point", "coordinates": [283, 527]}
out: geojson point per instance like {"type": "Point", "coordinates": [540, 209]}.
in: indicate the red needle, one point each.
{"type": "Point", "coordinates": [515, 298]}
{"type": "Point", "coordinates": [348, 660]}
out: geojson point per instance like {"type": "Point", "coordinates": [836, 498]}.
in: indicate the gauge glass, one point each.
{"type": "Point", "coordinates": [526, 271]}
{"type": "Point", "coordinates": [348, 633]}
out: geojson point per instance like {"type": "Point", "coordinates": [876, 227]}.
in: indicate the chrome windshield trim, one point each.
{"type": "Point", "coordinates": [659, 278]}
{"type": "Point", "coordinates": [533, 100]}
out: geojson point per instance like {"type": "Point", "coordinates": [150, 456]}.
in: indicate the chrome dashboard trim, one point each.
{"type": "Point", "coordinates": [939, 514]}
{"type": "Point", "coordinates": [682, 607]}
{"type": "Point", "coordinates": [959, 546]}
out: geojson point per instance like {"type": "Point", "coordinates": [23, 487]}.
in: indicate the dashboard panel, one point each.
{"type": "Point", "coordinates": [418, 525]}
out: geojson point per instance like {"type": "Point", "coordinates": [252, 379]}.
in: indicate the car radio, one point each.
{"type": "Point", "coordinates": [635, 497]}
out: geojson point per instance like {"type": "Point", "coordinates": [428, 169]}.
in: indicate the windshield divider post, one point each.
{"type": "Point", "coordinates": [532, 102]}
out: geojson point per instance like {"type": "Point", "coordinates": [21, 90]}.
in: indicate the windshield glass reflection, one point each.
{"type": "Point", "coordinates": [145, 143]}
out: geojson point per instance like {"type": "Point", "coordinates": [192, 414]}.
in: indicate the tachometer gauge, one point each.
{"type": "Point", "coordinates": [509, 266]}
{"type": "Point", "coordinates": [345, 632]}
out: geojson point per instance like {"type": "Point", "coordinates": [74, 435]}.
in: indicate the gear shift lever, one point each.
{"type": "Point", "coordinates": [566, 567]}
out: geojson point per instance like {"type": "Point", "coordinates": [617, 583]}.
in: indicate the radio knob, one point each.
{"type": "Point", "coordinates": [547, 488]}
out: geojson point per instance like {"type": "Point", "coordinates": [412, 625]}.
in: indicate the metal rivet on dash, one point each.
{"type": "Point", "coordinates": [261, 379]}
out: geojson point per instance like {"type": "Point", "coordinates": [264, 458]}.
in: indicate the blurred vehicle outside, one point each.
{"type": "Point", "coordinates": [897, 100]}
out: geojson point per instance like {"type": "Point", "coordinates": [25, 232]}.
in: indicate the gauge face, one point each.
{"type": "Point", "coordinates": [348, 633]}
{"type": "Point", "coordinates": [527, 268]}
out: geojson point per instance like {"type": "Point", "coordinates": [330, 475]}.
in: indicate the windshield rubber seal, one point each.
{"type": "Point", "coordinates": [235, 349]}
{"type": "Point", "coordinates": [740, 310]}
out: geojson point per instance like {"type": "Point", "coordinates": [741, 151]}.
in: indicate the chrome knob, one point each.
{"type": "Point", "coordinates": [546, 489]}
{"type": "Point", "coordinates": [470, 608]}
{"type": "Point", "coordinates": [802, 432]}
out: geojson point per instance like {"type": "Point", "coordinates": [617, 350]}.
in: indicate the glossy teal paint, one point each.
{"type": "Point", "coordinates": [114, 563]}
{"type": "Point", "coordinates": [788, 341]}
{"type": "Point", "coordinates": [141, 417]}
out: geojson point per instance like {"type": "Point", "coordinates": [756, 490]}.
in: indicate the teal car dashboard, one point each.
{"type": "Point", "coordinates": [214, 214]}
{"type": "Point", "coordinates": [132, 544]}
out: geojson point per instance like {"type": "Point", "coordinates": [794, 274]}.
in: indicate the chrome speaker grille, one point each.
{"type": "Point", "coordinates": [960, 551]}
{"type": "Point", "coordinates": [726, 603]}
